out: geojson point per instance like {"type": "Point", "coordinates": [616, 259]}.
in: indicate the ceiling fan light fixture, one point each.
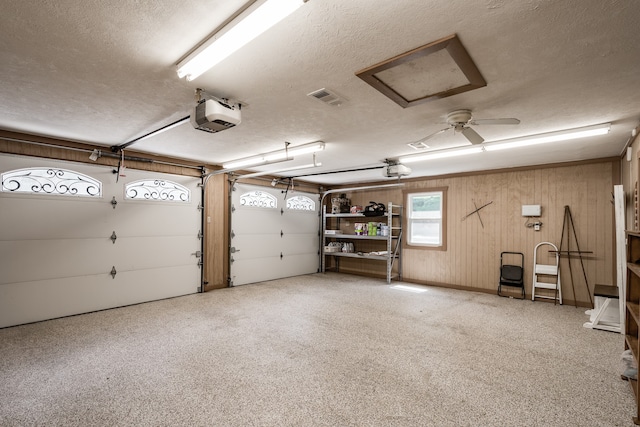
{"type": "Point", "coordinates": [248, 25]}
{"type": "Point", "coordinates": [545, 138]}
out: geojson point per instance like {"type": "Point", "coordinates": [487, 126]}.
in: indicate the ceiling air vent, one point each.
{"type": "Point", "coordinates": [326, 96]}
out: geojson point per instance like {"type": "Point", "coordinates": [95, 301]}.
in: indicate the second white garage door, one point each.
{"type": "Point", "coordinates": [273, 234]}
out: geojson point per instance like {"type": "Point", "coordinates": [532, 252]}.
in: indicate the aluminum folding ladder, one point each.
{"type": "Point", "coordinates": [550, 271]}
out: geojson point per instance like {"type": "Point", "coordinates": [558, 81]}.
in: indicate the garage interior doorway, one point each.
{"type": "Point", "coordinates": [320, 349]}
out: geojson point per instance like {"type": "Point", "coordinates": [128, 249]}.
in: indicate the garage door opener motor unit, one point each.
{"type": "Point", "coordinates": [215, 115]}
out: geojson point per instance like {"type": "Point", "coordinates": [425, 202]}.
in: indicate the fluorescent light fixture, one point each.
{"type": "Point", "coordinates": [294, 168]}
{"type": "Point", "coordinates": [249, 24]}
{"type": "Point", "coordinates": [505, 144]}
{"type": "Point", "coordinates": [441, 154]}
{"type": "Point", "coordinates": [545, 138]}
{"type": "Point", "coordinates": [275, 156]}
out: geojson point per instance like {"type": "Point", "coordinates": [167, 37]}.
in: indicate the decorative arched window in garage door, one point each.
{"type": "Point", "coordinates": [258, 199]}
{"type": "Point", "coordinates": [51, 181]}
{"type": "Point", "coordinates": [157, 190]}
{"type": "Point", "coordinates": [301, 203]}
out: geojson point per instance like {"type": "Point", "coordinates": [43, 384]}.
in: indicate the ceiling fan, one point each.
{"type": "Point", "coordinates": [460, 121]}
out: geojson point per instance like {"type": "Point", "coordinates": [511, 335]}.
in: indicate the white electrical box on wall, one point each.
{"type": "Point", "coordinates": [531, 210]}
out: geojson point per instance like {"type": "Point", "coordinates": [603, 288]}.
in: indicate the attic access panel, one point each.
{"type": "Point", "coordinates": [433, 71]}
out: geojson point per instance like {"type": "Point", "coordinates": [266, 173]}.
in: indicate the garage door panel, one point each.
{"type": "Point", "coordinates": [257, 246]}
{"type": "Point", "coordinates": [172, 220]}
{"type": "Point", "coordinates": [301, 244]}
{"type": "Point", "coordinates": [133, 287]}
{"type": "Point", "coordinates": [31, 260]}
{"type": "Point", "coordinates": [256, 270]}
{"type": "Point", "coordinates": [244, 221]}
{"type": "Point", "coordinates": [48, 299]}
{"type": "Point", "coordinates": [302, 263]}
{"type": "Point", "coordinates": [61, 219]}
{"type": "Point", "coordinates": [51, 298]}
{"type": "Point", "coordinates": [150, 252]}
{"type": "Point", "coordinates": [296, 221]}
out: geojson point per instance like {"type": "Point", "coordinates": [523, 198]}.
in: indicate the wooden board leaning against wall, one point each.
{"type": "Point", "coordinates": [472, 258]}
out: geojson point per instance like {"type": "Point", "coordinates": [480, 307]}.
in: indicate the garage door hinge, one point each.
{"type": "Point", "coordinates": [113, 272]}
{"type": "Point", "coordinates": [281, 233]}
{"type": "Point", "coordinates": [233, 208]}
{"type": "Point", "coordinates": [233, 234]}
{"type": "Point", "coordinates": [200, 207]}
{"type": "Point", "coordinates": [199, 234]}
{"type": "Point", "coordinates": [114, 202]}
{"type": "Point", "coordinates": [231, 260]}
{"type": "Point", "coordinates": [281, 256]}
{"type": "Point", "coordinates": [113, 237]}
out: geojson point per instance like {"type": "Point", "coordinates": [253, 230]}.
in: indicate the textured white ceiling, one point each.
{"type": "Point", "coordinates": [103, 72]}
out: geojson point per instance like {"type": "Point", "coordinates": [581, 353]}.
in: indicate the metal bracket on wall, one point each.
{"type": "Point", "coordinates": [113, 272]}
{"type": "Point", "coordinates": [113, 237]}
{"type": "Point", "coordinates": [114, 202]}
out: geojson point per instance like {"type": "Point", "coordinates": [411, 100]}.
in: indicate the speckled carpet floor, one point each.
{"type": "Point", "coordinates": [319, 350]}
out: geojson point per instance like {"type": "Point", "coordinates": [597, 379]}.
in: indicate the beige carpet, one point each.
{"type": "Point", "coordinates": [325, 350]}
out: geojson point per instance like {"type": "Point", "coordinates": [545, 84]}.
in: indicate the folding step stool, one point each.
{"type": "Point", "coordinates": [549, 270]}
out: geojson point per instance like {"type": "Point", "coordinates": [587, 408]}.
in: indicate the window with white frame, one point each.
{"type": "Point", "coordinates": [52, 181]}
{"type": "Point", "coordinates": [426, 214]}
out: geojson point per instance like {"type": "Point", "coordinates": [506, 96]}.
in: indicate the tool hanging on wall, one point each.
{"type": "Point", "coordinates": [570, 227]}
{"type": "Point", "coordinates": [477, 211]}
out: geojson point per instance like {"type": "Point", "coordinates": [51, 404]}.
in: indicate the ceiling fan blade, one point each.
{"type": "Point", "coordinates": [472, 135]}
{"type": "Point", "coordinates": [495, 122]}
{"type": "Point", "coordinates": [431, 135]}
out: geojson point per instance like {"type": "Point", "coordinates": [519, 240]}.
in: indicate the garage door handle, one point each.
{"type": "Point", "coordinates": [113, 272]}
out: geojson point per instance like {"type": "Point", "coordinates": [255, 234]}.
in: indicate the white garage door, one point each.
{"type": "Point", "coordinates": [273, 235]}
{"type": "Point", "coordinates": [65, 249]}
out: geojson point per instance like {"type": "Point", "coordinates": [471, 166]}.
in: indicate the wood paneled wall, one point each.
{"type": "Point", "coordinates": [216, 236]}
{"type": "Point", "coordinates": [472, 258]}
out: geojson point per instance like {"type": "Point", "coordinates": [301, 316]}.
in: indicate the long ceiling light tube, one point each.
{"type": "Point", "coordinates": [441, 154]}
{"type": "Point", "coordinates": [545, 138]}
{"type": "Point", "coordinates": [252, 22]}
{"type": "Point", "coordinates": [273, 172]}
{"type": "Point", "coordinates": [275, 156]}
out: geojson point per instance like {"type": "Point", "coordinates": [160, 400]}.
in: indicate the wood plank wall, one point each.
{"type": "Point", "coordinates": [216, 237]}
{"type": "Point", "coordinates": [472, 258]}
